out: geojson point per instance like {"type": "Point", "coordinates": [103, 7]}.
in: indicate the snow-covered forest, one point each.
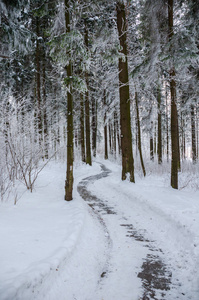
{"type": "Point", "coordinates": [99, 107]}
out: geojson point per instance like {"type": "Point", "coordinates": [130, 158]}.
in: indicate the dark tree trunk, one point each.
{"type": "Point", "coordinates": [118, 133]}
{"type": "Point", "coordinates": [136, 137]}
{"type": "Point", "coordinates": [69, 172]}
{"type": "Point", "coordinates": [87, 118]}
{"type": "Point", "coordinates": [87, 108]}
{"type": "Point", "coordinates": [159, 127]}
{"type": "Point", "coordinates": [125, 118]}
{"type": "Point", "coordinates": [182, 137]}
{"type": "Point", "coordinates": [167, 126]}
{"type": "Point", "coordinates": [94, 126]}
{"type": "Point", "coordinates": [174, 136]}
{"type": "Point", "coordinates": [174, 114]}
{"type": "Point", "coordinates": [105, 129]}
{"type": "Point", "coordinates": [151, 143]}
{"type": "Point", "coordinates": [82, 138]}
{"type": "Point", "coordinates": [155, 139]}
{"type": "Point", "coordinates": [193, 134]}
{"type": "Point", "coordinates": [110, 136]}
{"type": "Point", "coordinates": [184, 142]}
{"type": "Point", "coordinates": [115, 133]}
{"type": "Point", "coordinates": [139, 134]}
{"type": "Point", "coordinates": [45, 109]}
{"type": "Point", "coordinates": [38, 81]}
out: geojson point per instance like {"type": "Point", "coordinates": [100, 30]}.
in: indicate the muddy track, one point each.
{"type": "Point", "coordinates": [154, 274]}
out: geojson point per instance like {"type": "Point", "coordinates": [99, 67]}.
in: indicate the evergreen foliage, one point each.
{"type": "Point", "coordinates": [35, 52]}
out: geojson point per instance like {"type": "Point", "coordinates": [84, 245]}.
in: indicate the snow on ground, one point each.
{"type": "Point", "coordinates": [170, 217]}
{"type": "Point", "coordinates": [52, 249]}
{"type": "Point", "coordinates": [39, 235]}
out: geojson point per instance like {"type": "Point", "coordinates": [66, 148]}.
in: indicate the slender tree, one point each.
{"type": "Point", "coordinates": [167, 123]}
{"type": "Point", "coordinates": [38, 80]}
{"type": "Point", "coordinates": [193, 134]}
{"type": "Point", "coordinates": [69, 172]}
{"type": "Point", "coordinates": [159, 126]}
{"type": "Point", "coordinates": [151, 142]}
{"type": "Point", "coordinates": [139, 134]}
{"type": "Point", "coordinates": [174, 113]}
{"type": "Point", "coordinates": [82, 138]}
{"type": "Point", "coordinates": [105, 129]}
{"type": "Point", "coordinates": [94, 126]}
{"type": "Point", "coordinates": [87, 105]}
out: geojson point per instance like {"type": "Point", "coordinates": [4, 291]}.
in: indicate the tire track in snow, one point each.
{"type": "Point", "coordinates": [92, 200]}
{"type": "Point", "coordinates": [156, 278]}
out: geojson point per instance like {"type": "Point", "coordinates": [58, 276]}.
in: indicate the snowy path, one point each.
{"type": "Point", "coordinates": [123, 242]}
{"type": "Point", "coordinates": [123, 253]}
{"type": "Point", "coordinates": [134, 250]}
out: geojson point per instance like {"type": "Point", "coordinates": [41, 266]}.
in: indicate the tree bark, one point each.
{"type": "Point", "coordinates": [105, 129]}
{"type": "Point", "coordinates": [174, 134]}
{"type": "Point", "coordinates": [167, 125]}
{"type": "Point", "coordinates": [87, 108]}
{"type": "Point", "coordinates": [125, 118]}
{"type": "Point", "coordinates": [110, 136]}
{"type": "Point", "coordinates": [115, 134]}
{"type": "Point", "coordinates": [45, 108]}
{"type": "Point", "coordinates": [182, 136]}
{"type": "Point", "coordinates": [174, 114]}
{"type": "Point", "coordinates": [118, 133]}
{"type": "Point", "coordinates": [69, 172]}
{"type": "Point", "coordinates": [82, 138]}
{"type": "Point", "coordinates": [38, 81]}
{"type": "Point", "coordinates": [151, 143]}
{"type": "Point", "coordinates": [159, 126]}
{"type": "Point", "coordinates": [94, 126]}
{"type": "Point", "coordinates": [155, 140]}
{"type": "Point", "coordinates": [139, 135]}
{"type": "Point", "coordinates": [193, 134]}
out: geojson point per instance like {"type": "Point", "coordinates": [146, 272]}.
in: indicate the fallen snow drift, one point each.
{"type": "Point", "coordinates": [39, 233]}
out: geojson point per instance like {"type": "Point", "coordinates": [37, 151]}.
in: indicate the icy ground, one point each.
{"type": "Point", "coordinates": [115, 241]}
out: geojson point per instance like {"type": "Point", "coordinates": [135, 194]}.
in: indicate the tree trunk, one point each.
{"type": "Point", "coordinates": [45, 125]}
{"type": "Point", "coordinates": [193, 134]}
{"type": "Point", "coordinates": [110, 136]}
{"type": "Point", "coordinates": [87, 108]}
{"type": "Point", "coordinates": [125, 118]}
{"type": "Point", "coordinates": [159, 126]}
{"type": "Point", "coordinates": [115, 134]}
{"type": "Point", "coordinates": [82, 129]}
{"type": "Point", "coordinates": [105, 129]}
{"type": "Point", "coordinates": [118, 134]}
{"type": "Point", "coordinates": [183, 149]}
{"type": "Point", "coordinates": [94, 126]}
{"type": "Point", "coordinates": [139, 134]}
{"type": "Point", "coordinates": [151, 142]}
{"type": "Point", "coordinates": [174, 114]}
{"type": "Point", "coordinates": [155, 139]}
{"type": "Point", "coordinates": [136, 137]}
{"type": "Point", "coordinates": [38, 81]}
{"type": "Point", "coordinates": [174, 135]}
{"type": "Point", "coordinates": [167, 125]}
{"type": "Point", "coordinates": [69, 172]}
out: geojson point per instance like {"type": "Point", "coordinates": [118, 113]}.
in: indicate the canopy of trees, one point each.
{"type": "Point", "coordinates": [92, 77]}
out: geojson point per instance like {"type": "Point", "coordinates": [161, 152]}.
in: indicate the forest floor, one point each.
{"type": "Point", "coordinates": [116, 240]}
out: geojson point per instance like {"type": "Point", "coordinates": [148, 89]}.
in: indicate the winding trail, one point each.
{"type": "Point", "coordinates": [126, 243]}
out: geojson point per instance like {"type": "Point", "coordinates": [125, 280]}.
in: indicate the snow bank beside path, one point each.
{"type": "Point", "coordinates": [39, 233]}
